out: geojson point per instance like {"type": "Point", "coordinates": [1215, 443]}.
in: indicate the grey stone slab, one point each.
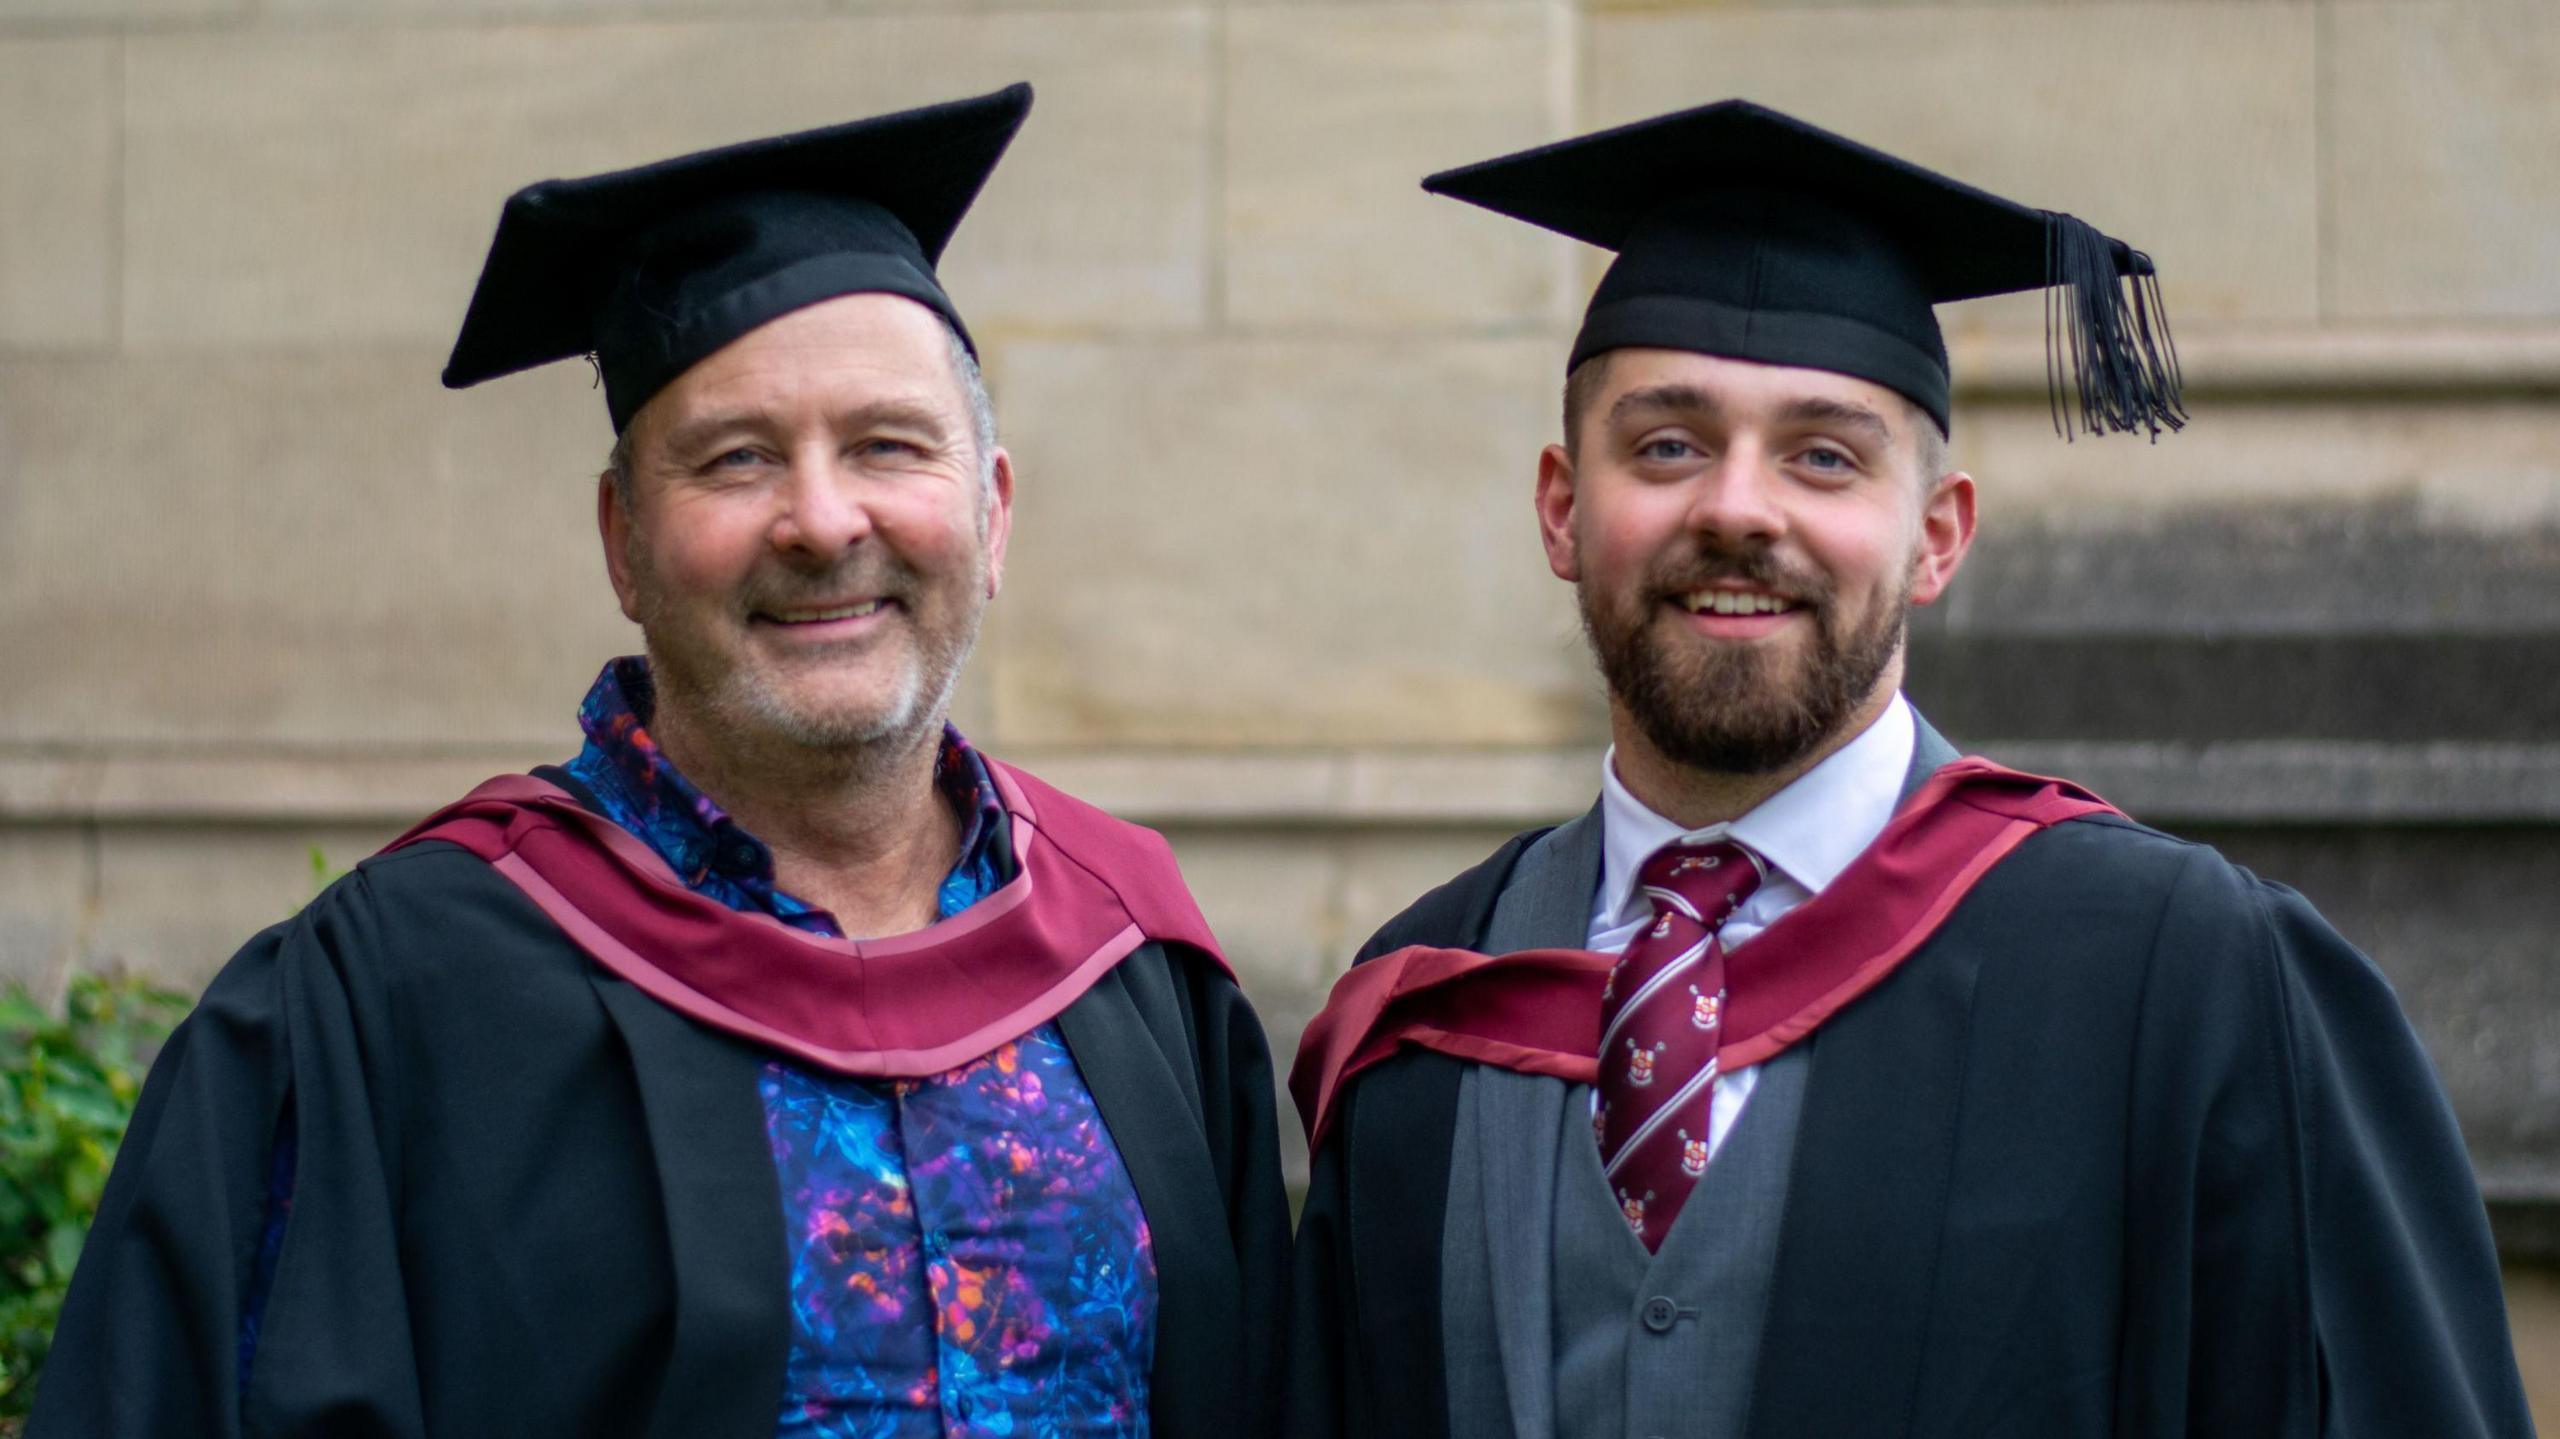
{"type": "Point", "coordinates": [2533, 1313]}
{"type": "Point", "coordinates": [176, 902]}
{"type": "Point", "coordinates": [2442, 126]}
{"type": "Point", "coordinates": [1282, 543]}
{"type": "Point", "coordinates": [2384, 566]}
{"type": "Point", "coordinates": [1384, 871]}
{"type": "Point", "coordinates": [327, 551]}
{"type": "Point", "coordinates": [2397, 688]}
{"type": "Point", "coordinates": [2188, 130]}
{"type": "Point", "coordinates": [48, 902]}
{"type": "Point", "coordinates": [359, 12]}
{"type": "Point", "coordinates": [2486, 461]}
{"type": "Point", "coordinates": [334, 185]}
{"type": "Point", "coordinates": [2335, 621]}
{"type": "Point", "coordinates": [58, 223]}
{"type": "Point", "coordinates": [2345, 783]}
{"type": "Point", "coordinates": [55, 15]}
{"type": "Point", "coordinates": [1331, 117]}
{"type": "Point", "coordinates": [2460, 921]}
{"type": "Point", "coordinates": [1271, 897]}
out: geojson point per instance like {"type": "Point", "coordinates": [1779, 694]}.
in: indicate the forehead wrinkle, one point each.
{"type": "Point", "coordinates": [916, 414]}
{"type": "Point", "coordinates": [887, 411]}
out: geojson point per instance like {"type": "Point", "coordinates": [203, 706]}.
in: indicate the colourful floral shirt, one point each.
{"type": "Point", "coordinates": [968, 1256]}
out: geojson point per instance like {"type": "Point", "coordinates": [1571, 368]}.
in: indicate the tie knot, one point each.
{"type": "Point", "coordinates": [1705, 881]}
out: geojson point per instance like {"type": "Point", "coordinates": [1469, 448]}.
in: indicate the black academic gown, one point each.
{"type": "Point", "coordinates": [532, 1201]}
{"type": "Point", "coordinates": [2134, 1145]}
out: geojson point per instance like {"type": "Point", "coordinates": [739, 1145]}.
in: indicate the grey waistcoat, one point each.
{"type": "Point", "coordinates": [1555, 1321]}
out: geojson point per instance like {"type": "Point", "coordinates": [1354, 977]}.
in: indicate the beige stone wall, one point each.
{"type": "Point", "coordinates": [264, 585]}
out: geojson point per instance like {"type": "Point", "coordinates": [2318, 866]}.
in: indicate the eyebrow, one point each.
{"type": "Point", "coordinates": [1839, 414]}
{"type": "Point", "coordinates": [1811, 410]}
{"type": "Point", "coordinates": [907, 413]}
{"type": "Point", "coordinates": [1664, 397]}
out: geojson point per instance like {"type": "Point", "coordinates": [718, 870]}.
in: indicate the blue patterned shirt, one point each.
{"type": "Point", "coordinates": [968, 1256]}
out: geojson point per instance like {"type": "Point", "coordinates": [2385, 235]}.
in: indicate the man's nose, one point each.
{"type": "Point", "coordinates": [1736, 498]}
{"type": "Point", "coordinates": [823, 513]}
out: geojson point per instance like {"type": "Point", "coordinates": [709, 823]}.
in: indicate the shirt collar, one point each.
{"type": "Point", "coordinates": [1808, 831]}
{"type": "Point", "coordinates": [698, 838]}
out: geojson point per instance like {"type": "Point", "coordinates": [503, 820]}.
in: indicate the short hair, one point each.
{"type": "Point", "coordinates": [1582, 389]}
{"type": "Point", "coordinates": [973, 390]}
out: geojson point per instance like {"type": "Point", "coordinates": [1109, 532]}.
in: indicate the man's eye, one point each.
{"type": "Point", "coordinates": [738, 458]}
{"type": "Point", "coordinates": [1665, 449]}
{"type": "Point", "coordinates": [1823, 458]}
{"type": "Point", "coordinates": [882, 445]}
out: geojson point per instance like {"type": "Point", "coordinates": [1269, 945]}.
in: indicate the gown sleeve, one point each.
{"type": "Point", "coordinates": [2407, 1310]}
{"type": "Point", "coordinates": [149, 1343]}
{"type": "Point", "coordinates": [2312, 1254]}
{"type": "Point", "coordinates": [1244, 1145]}
{"type": "Point", "coordinates": [1319, 1386]}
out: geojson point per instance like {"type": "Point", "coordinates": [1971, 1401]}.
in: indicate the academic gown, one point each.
{"type": "Point", "coordinates": [531, 1200]}
{"type": "Point", "coordinates": [2134, 1144]}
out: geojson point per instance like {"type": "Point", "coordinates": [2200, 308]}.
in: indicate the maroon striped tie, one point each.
{"type": "Point", "coordinates": [1660, 1020]}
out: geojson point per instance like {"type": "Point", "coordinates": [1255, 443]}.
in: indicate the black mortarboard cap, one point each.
{"type": "Point", "coordinates": [650, 269]}
{"type": "Point", "coordinates": [1749, 234]}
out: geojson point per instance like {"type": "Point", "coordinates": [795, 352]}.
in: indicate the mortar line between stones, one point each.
{"type": "Point", "coordinates": [1213, 208]}
{"type": "Point", "coordinates": [120, 201]}
{"type": "Point", "coordinates": [82, 941]}
{"type": "Point", "coordinates": [2323, 191]}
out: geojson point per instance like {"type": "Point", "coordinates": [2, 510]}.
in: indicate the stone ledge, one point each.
{"type": "Point", "coordinates": [2389, 360]}
{"type": "Point", "coordinates": [2253, 782]}
{"type": "Point", "coordinates": [2316, 782]}
{"type": "Point", "coordinates": [2403, 361]}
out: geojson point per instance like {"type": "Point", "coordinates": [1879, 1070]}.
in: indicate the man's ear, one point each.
{"type": "Point", "coordinates": [1946, 533]}
{"type": "Point", "coordinates": [1556, 494]}
{"type": "Point", "coordinates": [614, 528]}
{"type": "Point", "coordinates": [999, 519]}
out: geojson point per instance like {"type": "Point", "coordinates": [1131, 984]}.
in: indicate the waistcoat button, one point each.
{"type": "Point", "coordinates": [1660, 1314]}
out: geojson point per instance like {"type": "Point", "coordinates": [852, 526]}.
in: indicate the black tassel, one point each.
{"type": "Point", "coordinates": [2123, 361]}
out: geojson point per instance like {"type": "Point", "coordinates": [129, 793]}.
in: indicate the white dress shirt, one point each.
{"type": "Point", "coordinates": [1806, 833]}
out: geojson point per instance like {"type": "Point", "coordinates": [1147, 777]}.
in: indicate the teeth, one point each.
{"type": "Point", "coordinates": [848, 612]}
{"type": "Point", "coordinates": [1728, 602]}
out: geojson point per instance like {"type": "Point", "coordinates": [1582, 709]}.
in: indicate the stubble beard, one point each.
{"type": "Point", "coordinates": [743, 705]}
{"type": "Point", "coordinates": [1736, 708]}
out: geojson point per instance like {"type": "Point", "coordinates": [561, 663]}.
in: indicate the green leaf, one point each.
{"type": "Point", "coordinates": [68, 1082]}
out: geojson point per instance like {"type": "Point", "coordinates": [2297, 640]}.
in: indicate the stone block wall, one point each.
{"type": "Point", "coordinates": [264, 585]}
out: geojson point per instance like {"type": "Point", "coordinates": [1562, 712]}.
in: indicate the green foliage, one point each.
{"type": "Point", "coordinates": [67, 1086]}
{"type": "Point", "coordinates": [323, 874]}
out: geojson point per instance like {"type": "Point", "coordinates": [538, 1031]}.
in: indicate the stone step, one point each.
{"type": "Point", "coordinates": [2392, 687]}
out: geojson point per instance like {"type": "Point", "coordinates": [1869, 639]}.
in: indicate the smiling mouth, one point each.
{"type": "Point", "coordinates": [1734, 602]}
{"type": "Point", "coordinates": [829, 615]}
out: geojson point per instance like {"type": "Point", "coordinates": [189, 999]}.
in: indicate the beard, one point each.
{"type": "Point", "coordinates": [739, 697]}
{"type": "Point", "coordinates": [1739, 708]}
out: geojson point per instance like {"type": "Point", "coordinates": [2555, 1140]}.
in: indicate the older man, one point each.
{"type": "Point", "coordinates": [780, 1065]}
{"type": "Point", "coordinates": [1821, 1082]}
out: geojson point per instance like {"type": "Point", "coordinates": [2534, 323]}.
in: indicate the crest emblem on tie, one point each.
{"type": "Point", "coordinates": [1689, 862]}
{"type": "Point", "coordinates": [1662, 926]}
{"type": "Point", "coordinates": [1693, 1155]}
{"type": "Point", "coordinates": [1633, 1208]}
{"type": "Point", "coordinates": [1640, 1062]}
{"type": "Point", "coordinates": [1705, 1010]}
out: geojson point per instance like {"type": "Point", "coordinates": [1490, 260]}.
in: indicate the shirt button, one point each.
{"type": "Point", "coordinates": [1660, 1314]}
